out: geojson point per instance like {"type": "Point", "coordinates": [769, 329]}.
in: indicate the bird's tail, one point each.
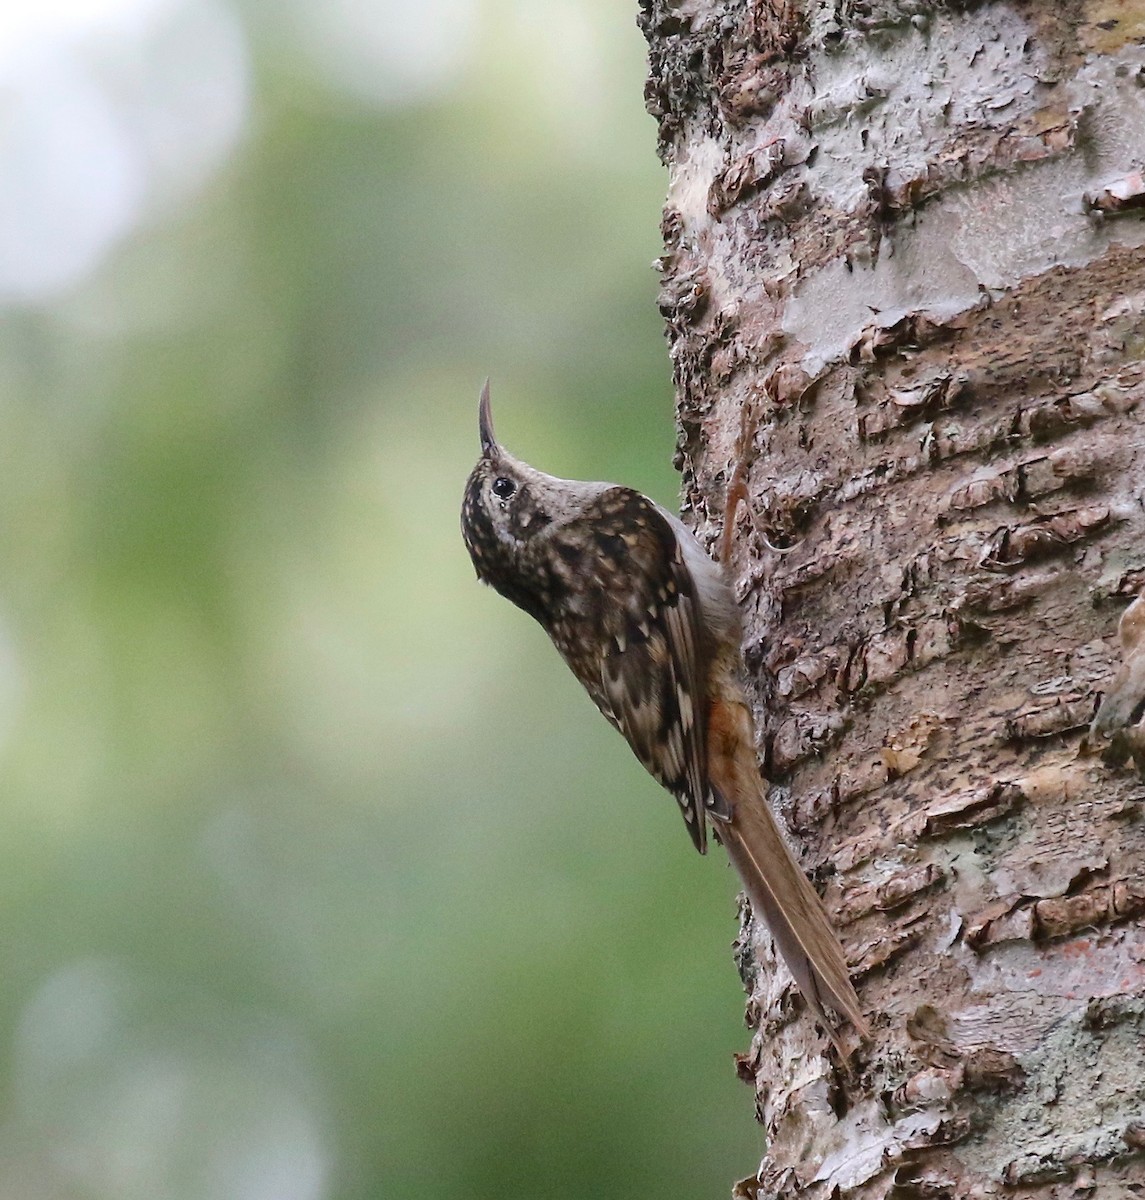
{"type": "Point", "coordinates": [782, 895]}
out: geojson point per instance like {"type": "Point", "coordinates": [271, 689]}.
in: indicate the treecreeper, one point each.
{"type": "Point", "coordinates": [648, 624]}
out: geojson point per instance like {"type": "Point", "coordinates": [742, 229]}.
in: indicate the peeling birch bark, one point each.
{"type": "Point", "coordinates": [904, 293]}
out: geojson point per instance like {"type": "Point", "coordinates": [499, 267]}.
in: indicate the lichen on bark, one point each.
{"type": "Point", "coordinates": [904, 295]}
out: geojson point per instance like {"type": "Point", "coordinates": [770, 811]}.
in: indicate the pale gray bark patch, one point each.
{"type": "Point", "coordinates": [917, 116]}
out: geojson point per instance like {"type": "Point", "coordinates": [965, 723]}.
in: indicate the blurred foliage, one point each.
{"type": "Point", "coordinates": [321, 877]}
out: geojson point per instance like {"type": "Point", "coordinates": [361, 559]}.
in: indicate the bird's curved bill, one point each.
{"type": "Point", "coordinates": [485, 422]}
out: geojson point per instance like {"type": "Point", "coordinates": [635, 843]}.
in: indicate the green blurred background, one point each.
{"type": "Point", "coordinates": [321, 878]}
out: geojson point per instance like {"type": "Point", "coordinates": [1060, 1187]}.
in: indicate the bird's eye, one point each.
{"type": "Point", "coordinates": [503, 488]}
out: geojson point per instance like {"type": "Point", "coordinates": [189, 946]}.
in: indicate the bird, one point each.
{"type": "Point", "coordinates": [648, 624]}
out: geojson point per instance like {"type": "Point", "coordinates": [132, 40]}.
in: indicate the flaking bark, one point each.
{"type": "Point", "coordinates": [904, 290]}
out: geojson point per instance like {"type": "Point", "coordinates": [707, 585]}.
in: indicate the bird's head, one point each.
{"type": "Point", "coordinates": [508, 507]}
{"type": "Point", "coordinates": [506, 503]}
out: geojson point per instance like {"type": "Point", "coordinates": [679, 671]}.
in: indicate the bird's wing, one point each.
{"type": "Point", "coordinates": [651, 683]}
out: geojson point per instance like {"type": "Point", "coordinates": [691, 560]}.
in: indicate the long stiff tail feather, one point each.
{"type": "Point", "coordinates": [782, 895]}
{"type": "Point", "coordinates": [779, 891]}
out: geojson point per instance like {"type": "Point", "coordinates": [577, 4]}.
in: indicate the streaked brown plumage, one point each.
{"type": "Point", "coordinates": [647, 623]}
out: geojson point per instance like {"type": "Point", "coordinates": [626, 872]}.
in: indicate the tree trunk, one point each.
{"type": "Point", "coordinates": [905, 298]}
